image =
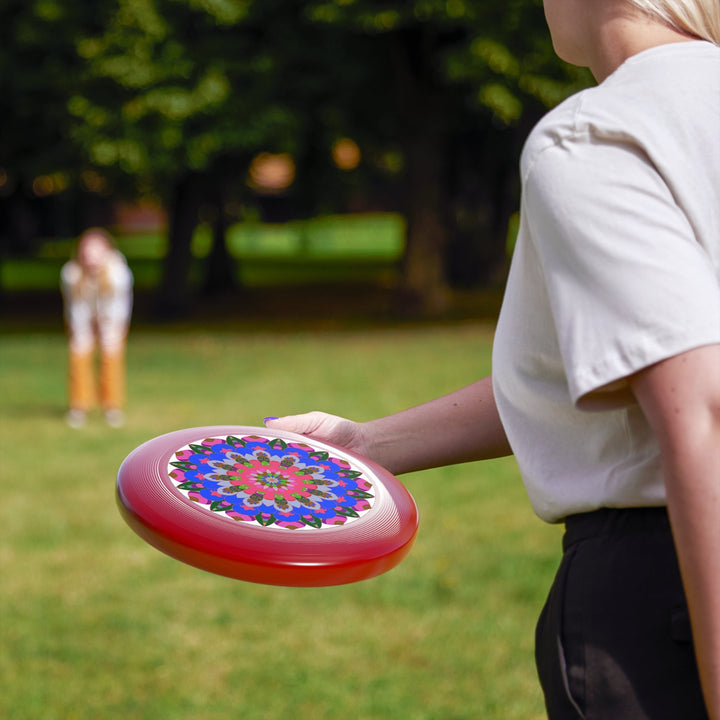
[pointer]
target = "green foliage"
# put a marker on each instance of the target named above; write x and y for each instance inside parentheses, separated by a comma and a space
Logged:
(173, 84)
(153, 87)
(38, 69)
(499, 53)
(174, 98)
(97, 624)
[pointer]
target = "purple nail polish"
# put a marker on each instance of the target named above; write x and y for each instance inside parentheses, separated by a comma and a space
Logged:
(270, 417)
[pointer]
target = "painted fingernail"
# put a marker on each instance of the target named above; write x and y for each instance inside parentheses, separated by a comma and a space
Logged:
(270, 417)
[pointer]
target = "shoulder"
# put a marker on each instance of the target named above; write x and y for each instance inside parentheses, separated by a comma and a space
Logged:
(117, 269)
(648, 105)
(594, 117)
(554, 129)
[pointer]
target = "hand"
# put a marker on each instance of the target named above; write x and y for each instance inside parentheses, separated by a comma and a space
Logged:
(324, 427)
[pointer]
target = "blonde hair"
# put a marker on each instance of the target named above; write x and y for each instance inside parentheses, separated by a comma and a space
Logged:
(699, 18)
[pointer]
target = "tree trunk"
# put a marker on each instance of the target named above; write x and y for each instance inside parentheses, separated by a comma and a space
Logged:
(424, 144)
(424, 276)
(175, 295)
(485, 194)
(220, 266)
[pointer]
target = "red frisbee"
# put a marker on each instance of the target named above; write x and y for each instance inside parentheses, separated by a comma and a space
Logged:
(266, 506)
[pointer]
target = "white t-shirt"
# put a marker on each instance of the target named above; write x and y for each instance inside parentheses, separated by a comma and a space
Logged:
(617, 266)
(97, 307)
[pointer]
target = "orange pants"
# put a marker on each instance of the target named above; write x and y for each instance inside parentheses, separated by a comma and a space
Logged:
(83, 391)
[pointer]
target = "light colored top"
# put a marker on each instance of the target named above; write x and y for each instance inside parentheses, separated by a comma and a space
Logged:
(616, 267)
(97, 308)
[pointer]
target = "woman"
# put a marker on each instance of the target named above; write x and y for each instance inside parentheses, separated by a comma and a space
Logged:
(97, 294)
(606, 365)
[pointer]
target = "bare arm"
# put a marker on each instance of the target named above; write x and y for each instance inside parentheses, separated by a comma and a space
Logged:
(681, 400)
(455, 428)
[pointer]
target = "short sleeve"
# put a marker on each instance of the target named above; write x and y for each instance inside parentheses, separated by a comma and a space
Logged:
(628, 282)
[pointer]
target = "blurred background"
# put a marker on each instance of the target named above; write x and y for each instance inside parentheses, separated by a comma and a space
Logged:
(317, 200)
(232, 145)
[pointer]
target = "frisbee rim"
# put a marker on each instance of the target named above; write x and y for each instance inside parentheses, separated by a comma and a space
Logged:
(357, 550)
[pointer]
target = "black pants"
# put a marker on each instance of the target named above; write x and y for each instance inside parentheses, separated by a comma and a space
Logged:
(613, 641)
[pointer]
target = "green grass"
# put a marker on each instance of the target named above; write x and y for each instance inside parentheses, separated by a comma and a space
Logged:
(94, 623)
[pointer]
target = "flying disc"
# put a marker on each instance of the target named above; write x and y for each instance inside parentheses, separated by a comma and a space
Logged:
(266, 506)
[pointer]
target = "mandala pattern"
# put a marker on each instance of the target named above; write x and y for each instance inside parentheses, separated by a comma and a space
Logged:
(271, 482)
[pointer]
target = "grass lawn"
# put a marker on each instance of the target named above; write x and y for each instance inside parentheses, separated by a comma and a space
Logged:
(95, 624)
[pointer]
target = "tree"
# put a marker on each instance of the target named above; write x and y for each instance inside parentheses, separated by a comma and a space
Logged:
(175, 98)
(38, 68)
(460, 72)
(182, 94)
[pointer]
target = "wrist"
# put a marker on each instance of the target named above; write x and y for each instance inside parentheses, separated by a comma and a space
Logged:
(374, 444)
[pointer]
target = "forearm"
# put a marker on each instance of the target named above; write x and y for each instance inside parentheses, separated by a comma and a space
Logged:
(693, 496)
(460, 427)
(681, 400)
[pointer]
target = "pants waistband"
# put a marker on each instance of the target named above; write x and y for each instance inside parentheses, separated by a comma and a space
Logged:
(608, 521)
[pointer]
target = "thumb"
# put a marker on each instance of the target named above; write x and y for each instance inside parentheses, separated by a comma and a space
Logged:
(318, 425)
(303, 424)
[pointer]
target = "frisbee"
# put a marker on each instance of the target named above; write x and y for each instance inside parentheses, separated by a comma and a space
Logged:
(266, 506)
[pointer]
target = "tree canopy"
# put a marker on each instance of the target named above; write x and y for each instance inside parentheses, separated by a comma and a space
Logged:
(175, 98)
